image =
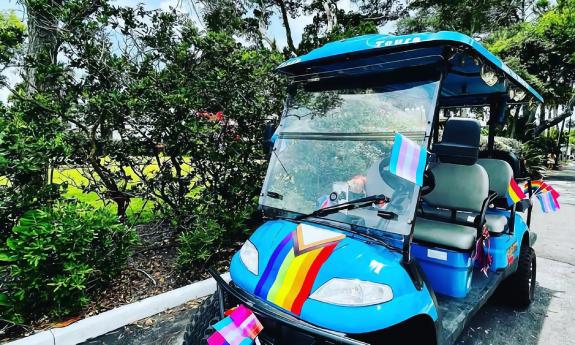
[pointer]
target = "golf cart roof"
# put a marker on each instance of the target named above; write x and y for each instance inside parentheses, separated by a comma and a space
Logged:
(464, 58)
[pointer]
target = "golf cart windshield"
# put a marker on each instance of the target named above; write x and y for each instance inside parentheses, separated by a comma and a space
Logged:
(334, 144)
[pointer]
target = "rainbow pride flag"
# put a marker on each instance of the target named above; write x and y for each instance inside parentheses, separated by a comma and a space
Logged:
(294, 265)
(548, 202)
(408, 159)
(539, 186)
(241, 327)
(514, 193)
(535, 184)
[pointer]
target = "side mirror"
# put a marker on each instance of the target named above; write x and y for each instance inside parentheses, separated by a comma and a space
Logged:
(268, 139)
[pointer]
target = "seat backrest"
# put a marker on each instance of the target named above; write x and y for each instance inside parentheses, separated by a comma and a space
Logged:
(459, 187)
(517, 165)
(460, 141)
(499, 172)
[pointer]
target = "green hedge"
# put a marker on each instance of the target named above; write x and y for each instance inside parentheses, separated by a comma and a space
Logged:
(57, 255)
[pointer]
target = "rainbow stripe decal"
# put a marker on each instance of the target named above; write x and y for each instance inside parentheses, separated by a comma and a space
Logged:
(294, 265)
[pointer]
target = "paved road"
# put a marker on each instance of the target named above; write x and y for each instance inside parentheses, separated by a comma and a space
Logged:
(550, 320)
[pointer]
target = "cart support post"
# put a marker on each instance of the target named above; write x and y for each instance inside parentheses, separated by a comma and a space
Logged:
(496, 116)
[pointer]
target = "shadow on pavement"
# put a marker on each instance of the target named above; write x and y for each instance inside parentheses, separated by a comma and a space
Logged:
(567, 173)
(499, 323)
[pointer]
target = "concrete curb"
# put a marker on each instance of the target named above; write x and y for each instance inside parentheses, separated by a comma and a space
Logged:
(113, 319)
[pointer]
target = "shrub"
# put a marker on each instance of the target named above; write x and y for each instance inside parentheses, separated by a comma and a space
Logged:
(57, 255)
(531, 152)
(212, 229)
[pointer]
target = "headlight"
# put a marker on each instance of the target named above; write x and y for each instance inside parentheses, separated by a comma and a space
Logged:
(249, 255)
(352, 292)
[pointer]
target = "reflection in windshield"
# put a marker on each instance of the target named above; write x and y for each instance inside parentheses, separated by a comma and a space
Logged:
(336, 147)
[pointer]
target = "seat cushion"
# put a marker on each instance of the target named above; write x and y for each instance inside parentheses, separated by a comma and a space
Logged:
(445, 234)
(458, 187)
(496, 223)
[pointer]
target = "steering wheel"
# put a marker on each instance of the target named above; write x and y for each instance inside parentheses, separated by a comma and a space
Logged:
(398, 183)
(428, 183)
(387, 176)
(401, 190)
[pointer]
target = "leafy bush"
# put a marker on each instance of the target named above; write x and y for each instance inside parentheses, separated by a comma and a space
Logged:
(200, 243)
(532, 152)
(26, 148)
(535, 154)
(57, 255)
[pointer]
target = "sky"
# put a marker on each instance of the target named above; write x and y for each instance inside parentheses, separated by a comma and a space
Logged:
(276, 30)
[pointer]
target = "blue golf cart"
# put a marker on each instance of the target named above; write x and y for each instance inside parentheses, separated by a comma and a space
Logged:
(353, 252)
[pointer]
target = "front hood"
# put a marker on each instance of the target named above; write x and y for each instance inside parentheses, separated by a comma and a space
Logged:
(297, 259)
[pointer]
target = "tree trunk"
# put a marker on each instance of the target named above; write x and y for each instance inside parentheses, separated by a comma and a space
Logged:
(43, 42)
(567, 112)
(556, 165)
(331, 18)
(569, 136)
(122, 203)
(287, 27)
(42, 50)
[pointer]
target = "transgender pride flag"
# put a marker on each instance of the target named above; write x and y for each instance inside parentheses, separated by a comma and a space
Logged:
(548, 202)
(240, 328)
(408, 159)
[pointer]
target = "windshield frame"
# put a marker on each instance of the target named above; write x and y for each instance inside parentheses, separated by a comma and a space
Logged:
(273, 212)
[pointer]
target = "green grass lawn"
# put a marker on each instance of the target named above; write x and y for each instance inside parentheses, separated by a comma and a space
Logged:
(139, 211)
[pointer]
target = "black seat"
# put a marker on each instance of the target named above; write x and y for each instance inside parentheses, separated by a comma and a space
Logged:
(460, 141)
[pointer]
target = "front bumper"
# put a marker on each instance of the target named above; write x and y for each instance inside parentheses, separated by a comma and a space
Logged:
(279, 327)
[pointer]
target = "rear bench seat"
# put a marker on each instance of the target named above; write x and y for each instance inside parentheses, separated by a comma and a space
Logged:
(463, 188)
(500, 173)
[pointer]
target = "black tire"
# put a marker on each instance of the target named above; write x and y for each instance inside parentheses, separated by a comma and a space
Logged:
(521, 287)
(201, 325)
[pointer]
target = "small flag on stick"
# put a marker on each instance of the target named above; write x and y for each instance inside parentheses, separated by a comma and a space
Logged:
(548, 202)
(408, 159)
(539, 186)
(241, 327)
(514, 193)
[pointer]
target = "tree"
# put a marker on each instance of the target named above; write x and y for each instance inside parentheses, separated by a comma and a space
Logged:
(329, 22)
(11, 36)
(26, 144)
(543, 52)
(470, 17)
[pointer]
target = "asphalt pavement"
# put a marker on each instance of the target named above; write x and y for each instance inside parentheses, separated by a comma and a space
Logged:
(549, 320)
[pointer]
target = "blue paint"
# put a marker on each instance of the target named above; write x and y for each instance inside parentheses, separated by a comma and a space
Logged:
(449, 272)
(406, 51)
(499, 245)
(369, 262)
